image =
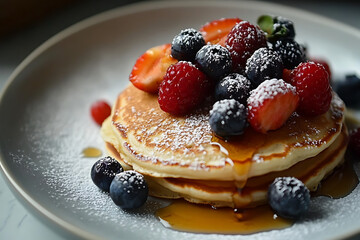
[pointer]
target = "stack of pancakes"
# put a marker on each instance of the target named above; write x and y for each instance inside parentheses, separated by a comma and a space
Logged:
(182, 158)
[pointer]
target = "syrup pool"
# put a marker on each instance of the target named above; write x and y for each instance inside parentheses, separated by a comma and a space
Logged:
(91, 152)
(340, 183)
(183, 216)
(188, 217)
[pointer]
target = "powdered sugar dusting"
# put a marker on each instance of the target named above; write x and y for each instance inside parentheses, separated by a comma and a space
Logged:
(58, 177)
(243, 40)
(43, 149)
(64, 178)
(188, 37)
(227, 106)
(173, 134)
(268, 90)
(288, 185)
(234, 86)
(264, 64)
(216, 55)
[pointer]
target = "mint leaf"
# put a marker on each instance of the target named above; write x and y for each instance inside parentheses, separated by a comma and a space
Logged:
(266, 23)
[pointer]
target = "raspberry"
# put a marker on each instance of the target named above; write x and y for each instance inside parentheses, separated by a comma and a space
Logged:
(325, 64)
(354, 143)
(100, 110)
(183, 88)
(313, 88)
(242, 41)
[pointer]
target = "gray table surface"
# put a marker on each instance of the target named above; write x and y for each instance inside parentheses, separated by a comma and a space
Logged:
(16, 222)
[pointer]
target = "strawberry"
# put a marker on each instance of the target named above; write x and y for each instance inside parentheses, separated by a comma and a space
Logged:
(150, 68)
(271, 104)
(287, 75)
(216, 32)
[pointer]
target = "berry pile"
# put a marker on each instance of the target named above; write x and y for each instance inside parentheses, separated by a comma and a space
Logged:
(256, 75)
(241, 66)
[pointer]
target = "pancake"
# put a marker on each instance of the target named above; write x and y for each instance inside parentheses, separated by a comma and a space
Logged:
(182, 158)
(225, 193)
(158, 144)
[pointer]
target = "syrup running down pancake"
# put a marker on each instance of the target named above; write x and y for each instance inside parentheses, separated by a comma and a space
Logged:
(182, 158)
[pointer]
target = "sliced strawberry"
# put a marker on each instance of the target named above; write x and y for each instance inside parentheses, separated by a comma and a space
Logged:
(215, 32)
(287, 75)
(150, 68)
(271, 104)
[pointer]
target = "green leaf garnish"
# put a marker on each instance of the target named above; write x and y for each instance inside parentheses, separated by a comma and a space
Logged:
(266, 23)
(278, 33)
(272, 27)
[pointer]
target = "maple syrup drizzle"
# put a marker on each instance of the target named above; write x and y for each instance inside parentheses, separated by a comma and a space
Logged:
(241, 150)
(91, 152)
(184, 216)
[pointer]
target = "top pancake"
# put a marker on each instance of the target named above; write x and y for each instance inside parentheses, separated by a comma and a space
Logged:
(158, 144)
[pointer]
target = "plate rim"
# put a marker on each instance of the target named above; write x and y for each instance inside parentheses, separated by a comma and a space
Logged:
(25, 198)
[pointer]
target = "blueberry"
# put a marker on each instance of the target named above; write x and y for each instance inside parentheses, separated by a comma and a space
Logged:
(214, 60)
(284, 27)
(228, 117)
(349, 90)
(129, 190)
(292, 53)
(186, 44)
(289, 197)
(234, 86)
(103, 172)
(263, 65)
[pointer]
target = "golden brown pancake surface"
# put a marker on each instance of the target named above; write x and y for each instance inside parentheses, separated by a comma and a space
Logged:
(161, 145)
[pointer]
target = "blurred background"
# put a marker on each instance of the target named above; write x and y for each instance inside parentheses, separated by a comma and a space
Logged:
(26, 24)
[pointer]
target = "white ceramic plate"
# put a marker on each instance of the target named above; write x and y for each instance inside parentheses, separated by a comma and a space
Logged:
(45, 121)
